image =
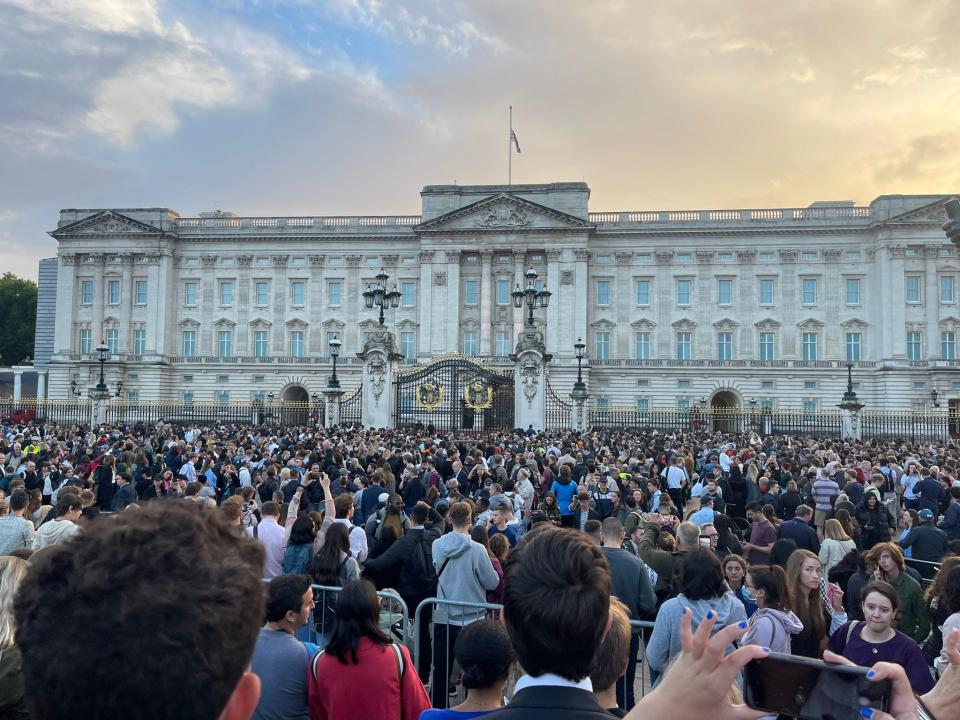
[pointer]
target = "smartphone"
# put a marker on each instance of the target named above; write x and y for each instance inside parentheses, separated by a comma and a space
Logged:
(808, 689)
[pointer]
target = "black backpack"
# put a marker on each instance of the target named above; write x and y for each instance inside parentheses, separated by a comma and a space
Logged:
(418, 576)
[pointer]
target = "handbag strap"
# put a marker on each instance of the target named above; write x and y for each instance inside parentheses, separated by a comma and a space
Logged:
(398, 654)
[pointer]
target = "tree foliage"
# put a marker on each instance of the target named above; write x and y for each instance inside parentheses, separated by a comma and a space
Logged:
(18, 318)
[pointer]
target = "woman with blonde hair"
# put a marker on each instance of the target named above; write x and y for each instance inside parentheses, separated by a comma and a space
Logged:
(12, 705)
(836, 544)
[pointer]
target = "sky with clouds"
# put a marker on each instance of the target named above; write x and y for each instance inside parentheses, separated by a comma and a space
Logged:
(313, 107)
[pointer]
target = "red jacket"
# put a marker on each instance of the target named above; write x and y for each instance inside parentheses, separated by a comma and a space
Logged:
(371, 689)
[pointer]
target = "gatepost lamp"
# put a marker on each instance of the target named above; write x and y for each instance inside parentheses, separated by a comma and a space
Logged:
(579, 347)
(103, 350)
(378, 295)
(934, 395)
(530, 295)
(335, 343)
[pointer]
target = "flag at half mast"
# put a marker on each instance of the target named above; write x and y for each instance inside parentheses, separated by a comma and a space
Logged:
(513, 139)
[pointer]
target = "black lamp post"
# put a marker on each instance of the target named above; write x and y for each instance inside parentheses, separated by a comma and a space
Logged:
(74, 390)
(850, 397)
(335, 353)
(579, 348)
(531, 296)
(703, 402)
(103, 350)
(934, 395)
(379, 296)
(753, 413)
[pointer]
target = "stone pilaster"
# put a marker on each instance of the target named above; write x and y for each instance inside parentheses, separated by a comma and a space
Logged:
(379, 357)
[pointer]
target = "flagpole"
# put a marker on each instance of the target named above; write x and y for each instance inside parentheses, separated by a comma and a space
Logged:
(510, 151)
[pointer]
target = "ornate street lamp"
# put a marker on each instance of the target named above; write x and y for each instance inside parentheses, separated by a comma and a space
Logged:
(335, 353)
(579, 347)
(378, 295)
(934, 394)
(530, 295)
(703, 402)
(74, 390)
(103, 350)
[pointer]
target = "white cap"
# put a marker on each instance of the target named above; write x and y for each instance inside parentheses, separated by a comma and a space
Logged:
(383, 497)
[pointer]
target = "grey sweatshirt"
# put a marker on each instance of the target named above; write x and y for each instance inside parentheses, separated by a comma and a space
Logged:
(467, 575)
(54, 532)
(772, 628)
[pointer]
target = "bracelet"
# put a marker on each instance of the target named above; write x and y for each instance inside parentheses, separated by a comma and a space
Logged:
(923, 712)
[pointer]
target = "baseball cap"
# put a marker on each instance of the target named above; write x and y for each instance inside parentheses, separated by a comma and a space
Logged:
(925, 514)
(383, 497)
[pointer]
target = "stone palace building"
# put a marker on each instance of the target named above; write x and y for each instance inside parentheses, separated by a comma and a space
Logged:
(677, 308)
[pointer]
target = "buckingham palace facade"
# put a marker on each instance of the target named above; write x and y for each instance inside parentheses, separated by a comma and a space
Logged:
(676, 307)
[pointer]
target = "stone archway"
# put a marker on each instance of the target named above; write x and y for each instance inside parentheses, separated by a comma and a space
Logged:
(294, 405)
(725, 407)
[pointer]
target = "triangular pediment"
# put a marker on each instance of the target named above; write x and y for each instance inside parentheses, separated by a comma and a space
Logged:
(932, 213)
(726, 324)
(767, 323)
(504, 212)
(106, 222)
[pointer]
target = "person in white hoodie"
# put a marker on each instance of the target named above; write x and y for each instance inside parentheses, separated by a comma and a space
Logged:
(772, 624)
(464, 574)
(63, 526)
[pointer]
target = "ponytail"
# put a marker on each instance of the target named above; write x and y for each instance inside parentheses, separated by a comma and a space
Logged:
(773, 581)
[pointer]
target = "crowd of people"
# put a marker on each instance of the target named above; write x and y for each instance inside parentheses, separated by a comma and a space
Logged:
(181, 566)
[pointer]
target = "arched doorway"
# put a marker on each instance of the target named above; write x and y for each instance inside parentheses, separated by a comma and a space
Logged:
(725, 411)
(294, 405)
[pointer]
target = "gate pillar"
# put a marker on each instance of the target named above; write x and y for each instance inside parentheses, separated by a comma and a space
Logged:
(530, 380)
(331, 408)
(379, 357)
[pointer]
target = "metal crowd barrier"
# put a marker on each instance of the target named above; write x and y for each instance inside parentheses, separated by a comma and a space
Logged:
(926, 569)
(445, 692)
(393, 616)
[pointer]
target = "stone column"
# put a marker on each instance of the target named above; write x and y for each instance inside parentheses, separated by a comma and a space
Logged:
(165, 333)
(125, 340)
(931, 305)
(279, 306)
(582, 296)
(622, 295)
(17, 383)
(352, 300)
(98, 260)
(578, 410)
(379, 357)
(425, 303)
(331, 398)
(41, 384)
(552, 283)
(486, 303)
(850, 422)
(66, 308)
(453, 301)
(530, 380)
(518, 281)
(896, 301)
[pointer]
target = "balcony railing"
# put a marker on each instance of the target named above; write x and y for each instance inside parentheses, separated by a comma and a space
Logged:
(256, 224)
(765, 216)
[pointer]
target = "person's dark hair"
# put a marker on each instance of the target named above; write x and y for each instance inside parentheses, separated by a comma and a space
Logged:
(460, 514)
(358, 616)
(419, 514)
(303, 531)
(773, 581)
(478, 533)
(326, 563)
(485, 655)
(882, 588)
(951, 589)
(65, 503)
(285, 594)
(781, 551)
(701, 575)
(560, 636)
(270, 508)
(19, 499)
(342, 504)
(140, 565)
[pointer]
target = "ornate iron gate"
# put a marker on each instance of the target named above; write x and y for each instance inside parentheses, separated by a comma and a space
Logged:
(351, 408)
(558, 410)
(455, 393)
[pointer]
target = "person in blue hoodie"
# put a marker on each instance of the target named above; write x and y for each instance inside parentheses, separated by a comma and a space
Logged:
(703, 590)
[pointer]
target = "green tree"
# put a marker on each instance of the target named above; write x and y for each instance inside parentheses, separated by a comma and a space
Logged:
(18, 318)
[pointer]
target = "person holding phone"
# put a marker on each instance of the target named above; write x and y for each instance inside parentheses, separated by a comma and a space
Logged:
(874, 639)
(818, 604)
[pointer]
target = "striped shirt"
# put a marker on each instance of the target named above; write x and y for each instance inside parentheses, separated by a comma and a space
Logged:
(824, 491)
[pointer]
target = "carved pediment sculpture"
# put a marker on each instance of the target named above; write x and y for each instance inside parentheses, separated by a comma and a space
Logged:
(502, 215)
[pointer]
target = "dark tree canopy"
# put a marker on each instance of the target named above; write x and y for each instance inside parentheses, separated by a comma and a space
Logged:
(18, 318)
